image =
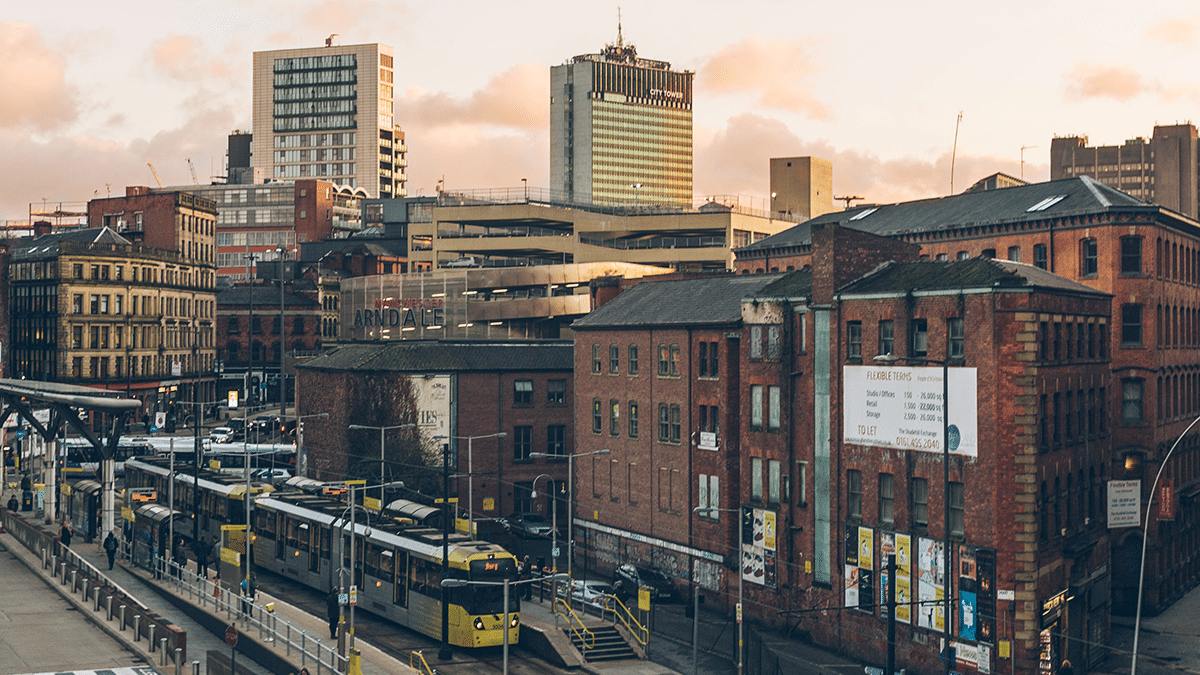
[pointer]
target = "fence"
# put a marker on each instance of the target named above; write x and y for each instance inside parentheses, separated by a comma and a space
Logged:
(99, 592)
(256, 618)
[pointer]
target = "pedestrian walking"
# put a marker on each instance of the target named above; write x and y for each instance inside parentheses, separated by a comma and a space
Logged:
(155, 555)
(333, 612)
(64, 535)
(201, 550)
(13, 504)
(1066, 668)
(110, 549)
(249, 591)
(179, 557)
(526, 572)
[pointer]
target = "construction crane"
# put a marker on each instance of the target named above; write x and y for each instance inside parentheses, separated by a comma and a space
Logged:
(154, 173)
(848, 199)
(192, 170)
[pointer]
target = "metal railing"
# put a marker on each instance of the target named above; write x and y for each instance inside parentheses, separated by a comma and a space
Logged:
(270, 628)
(669, 242)
(587, 639)
(611, 604)
(416, 660)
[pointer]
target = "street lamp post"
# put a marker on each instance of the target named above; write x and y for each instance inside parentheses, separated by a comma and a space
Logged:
(342, 565)
(571, 499)
(382, 462)
(1137, 621)
(470, 476)
(741, 666)
(553, 515)
(945, 364)
(506, 584)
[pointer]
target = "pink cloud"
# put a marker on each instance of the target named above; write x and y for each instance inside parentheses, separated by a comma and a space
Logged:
(1115, 82)
(184, 57)
(1178, 31)
(771, 70)
(515, 98)
(33, 79)
(735, 160)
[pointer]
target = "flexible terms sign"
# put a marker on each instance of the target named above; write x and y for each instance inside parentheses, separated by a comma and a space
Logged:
(900, 407)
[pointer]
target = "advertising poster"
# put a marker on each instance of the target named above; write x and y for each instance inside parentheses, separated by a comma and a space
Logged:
(768, 540)
(985, 595)
(904, 578)
(851, 585)
(758, 561)
(866, 589)
(851, 542)
(900, 407)
(866, 548)
(1124, 503)
(883, 594)
(966, 615)
(930, 580)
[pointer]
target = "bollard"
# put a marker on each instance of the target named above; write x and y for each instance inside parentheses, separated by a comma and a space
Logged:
(74, 585)
(62, 572)
(137, 627)
(195, 668)
(53, 562)
(274, 632)
(178, 661)
(87, 589)
(288, 642)
(162, 651)
(150, 637)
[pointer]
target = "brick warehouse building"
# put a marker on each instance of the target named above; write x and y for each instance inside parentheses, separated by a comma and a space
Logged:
(657, 385)
(1148, 258)
(450, 389)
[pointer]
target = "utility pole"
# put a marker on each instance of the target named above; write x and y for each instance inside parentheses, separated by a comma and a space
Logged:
(444, 652)
(954, 152)
(891, 618)
(196, 417)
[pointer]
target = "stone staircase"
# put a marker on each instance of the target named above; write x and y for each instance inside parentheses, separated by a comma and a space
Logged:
(609, 645)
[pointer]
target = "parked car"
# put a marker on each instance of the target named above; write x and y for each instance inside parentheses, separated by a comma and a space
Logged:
(221, 435)
(589, 591)
(527, 525)
(629, 578)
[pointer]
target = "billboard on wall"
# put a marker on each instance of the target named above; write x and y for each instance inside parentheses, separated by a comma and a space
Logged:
(900, 407)
(432, 394)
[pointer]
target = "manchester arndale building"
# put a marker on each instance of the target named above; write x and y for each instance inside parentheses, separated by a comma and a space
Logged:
(621, 129)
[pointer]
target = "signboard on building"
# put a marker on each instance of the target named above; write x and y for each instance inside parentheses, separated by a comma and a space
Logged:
(1124, 503)
(432, 395)
(1166, 500)
(708, 440)
(899, 407)
(758, 560)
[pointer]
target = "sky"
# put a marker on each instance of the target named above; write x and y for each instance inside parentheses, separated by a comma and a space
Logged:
(89, 95)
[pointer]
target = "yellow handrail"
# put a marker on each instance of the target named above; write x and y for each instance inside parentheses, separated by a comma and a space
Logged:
(635, 627)
(587, 639)
(416, 659)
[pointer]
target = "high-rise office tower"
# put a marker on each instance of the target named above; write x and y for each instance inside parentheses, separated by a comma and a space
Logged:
(327, 112)
(621, 129)
(1162, 170)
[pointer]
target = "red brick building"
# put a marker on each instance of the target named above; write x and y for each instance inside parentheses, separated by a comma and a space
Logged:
(833, 504)
(657, 384)
(297, 328)
(452, 390)
(172, 221)
(1148, 259)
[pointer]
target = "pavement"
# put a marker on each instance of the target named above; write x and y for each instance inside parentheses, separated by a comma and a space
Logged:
(41, 632)
(1169, 643)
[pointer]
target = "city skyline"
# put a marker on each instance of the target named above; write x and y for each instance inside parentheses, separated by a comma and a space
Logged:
(473, 99)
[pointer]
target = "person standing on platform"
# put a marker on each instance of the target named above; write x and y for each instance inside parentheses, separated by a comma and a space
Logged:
(333, 611)
(110, 549)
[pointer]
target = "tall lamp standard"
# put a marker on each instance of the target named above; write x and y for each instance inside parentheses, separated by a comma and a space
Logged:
(741, 668)
(303, 460)
(553, 515)
(1137, 621)
(470, 476)
(571, 498)
(382, 462)
(945, 364)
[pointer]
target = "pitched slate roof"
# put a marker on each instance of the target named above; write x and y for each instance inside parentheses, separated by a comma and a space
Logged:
(264, 296)
(1080, 195)
(439, 356)
(710, 300)
(973, 273)
(49, 245)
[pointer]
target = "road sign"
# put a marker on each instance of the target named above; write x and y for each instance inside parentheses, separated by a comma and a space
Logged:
(353, 595)
(554, 552)
(160, 420)
(644, 598)
(343, 598)
(739, 612)
(231, 635)
(21, 434)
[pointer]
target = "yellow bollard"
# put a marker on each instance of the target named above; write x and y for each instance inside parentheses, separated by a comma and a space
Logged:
(355, 663)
